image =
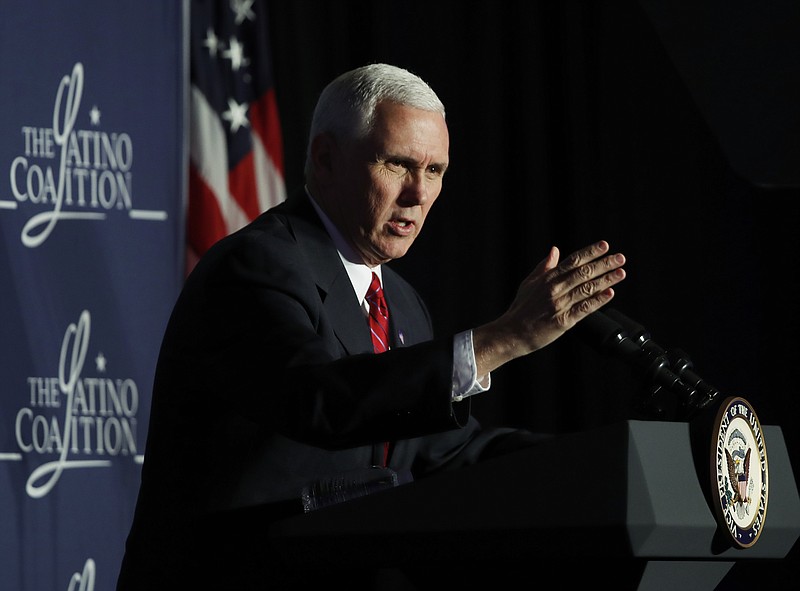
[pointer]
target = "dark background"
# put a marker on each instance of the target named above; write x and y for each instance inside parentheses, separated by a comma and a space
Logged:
(670, 129)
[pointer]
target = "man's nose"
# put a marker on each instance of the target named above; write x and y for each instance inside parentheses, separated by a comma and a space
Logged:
(416, 190)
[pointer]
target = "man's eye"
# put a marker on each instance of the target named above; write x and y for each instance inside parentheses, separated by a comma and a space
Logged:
(435, 170)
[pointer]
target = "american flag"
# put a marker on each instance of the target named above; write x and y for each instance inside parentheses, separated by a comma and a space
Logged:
(236, 150)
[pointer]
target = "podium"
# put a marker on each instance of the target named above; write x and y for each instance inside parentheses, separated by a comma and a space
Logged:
(628, 500)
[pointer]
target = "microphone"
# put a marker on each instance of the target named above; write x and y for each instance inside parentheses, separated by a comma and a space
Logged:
(616, 334)
(700, 393)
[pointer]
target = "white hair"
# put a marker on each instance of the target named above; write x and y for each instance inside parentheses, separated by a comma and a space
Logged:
(346, 107)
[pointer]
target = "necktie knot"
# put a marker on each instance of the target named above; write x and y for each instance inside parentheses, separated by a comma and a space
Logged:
(378, 316)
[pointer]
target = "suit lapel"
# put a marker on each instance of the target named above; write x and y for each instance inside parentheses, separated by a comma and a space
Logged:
(407, 325)
(346, 315)
(333, 284)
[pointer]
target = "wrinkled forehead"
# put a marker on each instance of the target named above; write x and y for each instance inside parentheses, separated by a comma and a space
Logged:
(409, 131)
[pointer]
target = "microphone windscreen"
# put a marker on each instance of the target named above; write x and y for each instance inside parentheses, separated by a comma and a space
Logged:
(628, 325)
(599, 330)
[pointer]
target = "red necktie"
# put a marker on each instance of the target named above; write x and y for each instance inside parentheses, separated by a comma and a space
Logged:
(379, 327)
(378, 316)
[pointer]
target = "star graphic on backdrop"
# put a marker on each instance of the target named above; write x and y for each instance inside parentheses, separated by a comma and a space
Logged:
(236, 115)
(235, 53)
(100, 362)
(243, 10)
(211, 42)
(94, 115)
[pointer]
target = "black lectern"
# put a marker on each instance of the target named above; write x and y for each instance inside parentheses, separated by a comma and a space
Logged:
(625, 496)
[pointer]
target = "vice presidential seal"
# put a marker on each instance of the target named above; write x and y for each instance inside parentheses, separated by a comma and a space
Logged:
(739, 472)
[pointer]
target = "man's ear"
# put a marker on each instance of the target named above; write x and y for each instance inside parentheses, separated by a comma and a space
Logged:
(323, 153)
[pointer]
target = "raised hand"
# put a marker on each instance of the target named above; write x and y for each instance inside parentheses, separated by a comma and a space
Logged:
(550, 301)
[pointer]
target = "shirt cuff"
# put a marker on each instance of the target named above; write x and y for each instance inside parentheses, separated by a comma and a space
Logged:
(466, 381)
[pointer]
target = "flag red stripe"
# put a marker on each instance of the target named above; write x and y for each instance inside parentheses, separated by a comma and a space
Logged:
(242, 185)
(205, 224)
(266, 123)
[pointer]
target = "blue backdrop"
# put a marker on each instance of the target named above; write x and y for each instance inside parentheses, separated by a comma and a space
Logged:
(92, 196)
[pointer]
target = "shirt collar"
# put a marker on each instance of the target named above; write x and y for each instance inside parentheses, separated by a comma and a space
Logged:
(360, 273)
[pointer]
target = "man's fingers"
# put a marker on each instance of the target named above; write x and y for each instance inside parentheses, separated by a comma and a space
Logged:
(574, 280)
(584, 255)
(549, 262)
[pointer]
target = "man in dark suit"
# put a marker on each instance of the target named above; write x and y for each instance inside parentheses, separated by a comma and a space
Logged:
(268, 380)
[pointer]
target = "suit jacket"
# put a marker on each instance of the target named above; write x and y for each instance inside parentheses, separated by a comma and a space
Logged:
(266, 380)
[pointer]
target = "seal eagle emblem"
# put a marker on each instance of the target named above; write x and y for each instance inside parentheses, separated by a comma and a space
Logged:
(739, 472)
